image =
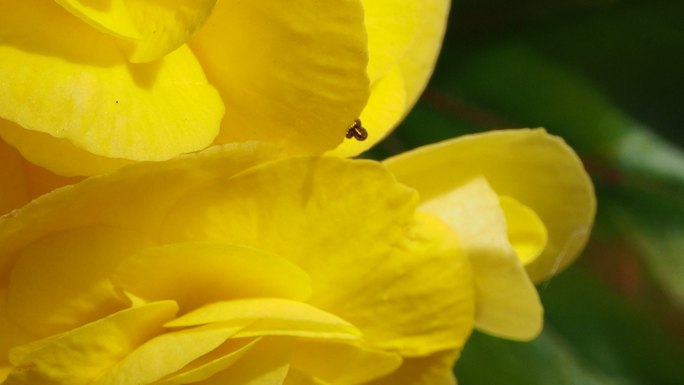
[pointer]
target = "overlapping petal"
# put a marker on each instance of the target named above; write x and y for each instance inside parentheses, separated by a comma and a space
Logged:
(88, 93)
(507, 301)
(538, 170)
(22, 180)
(211, 272)
(293, 75)
(399, 70)
(76, 357)
(149, 28)
(388, 254)
(62, 281)
(408, 288)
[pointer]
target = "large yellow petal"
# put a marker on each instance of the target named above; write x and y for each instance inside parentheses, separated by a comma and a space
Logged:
(537, 169)
(69, 81)
(316, 212)
(395, 92)
(76, 357)
(122, 199)
(414, 300)
(349, 225)
(210, 272)
(62, 281)
(152, 28)
(293, 75)
(507, 302)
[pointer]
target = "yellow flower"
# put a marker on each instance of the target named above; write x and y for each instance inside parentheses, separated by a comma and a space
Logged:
(234, 266)
(239, 265)
(523, 205)
(86, 86)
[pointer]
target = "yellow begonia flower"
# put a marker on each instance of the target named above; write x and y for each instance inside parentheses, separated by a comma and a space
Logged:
(100, 84)
(523, 205)
(233, 266)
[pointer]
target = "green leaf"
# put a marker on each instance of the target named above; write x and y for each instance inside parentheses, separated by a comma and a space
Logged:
(546, 360)
(592, 337)
(653, 224)
(530, 90)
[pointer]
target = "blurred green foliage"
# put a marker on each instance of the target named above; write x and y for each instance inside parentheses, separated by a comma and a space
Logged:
(608, 77)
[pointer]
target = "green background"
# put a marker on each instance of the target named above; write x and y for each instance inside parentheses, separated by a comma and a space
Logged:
(608, 77)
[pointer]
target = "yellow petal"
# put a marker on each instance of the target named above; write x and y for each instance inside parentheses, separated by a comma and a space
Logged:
(317, 212)
(415, 299)
(292, 75)
(507, 302)
(122, 199)
(210, 272)
(88, 93)
(395, 92)
(347, 224)
(152, 28)
(343, 364)
(525, 230)
(62, 281)
(164, 355)
(270, 316)
(435, 369)
(78, 356)
(535, 168)
(267, 363)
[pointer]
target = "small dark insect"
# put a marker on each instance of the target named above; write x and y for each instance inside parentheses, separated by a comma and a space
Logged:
(357, 131)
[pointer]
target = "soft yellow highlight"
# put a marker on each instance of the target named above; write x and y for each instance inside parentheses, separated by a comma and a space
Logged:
(507, 301)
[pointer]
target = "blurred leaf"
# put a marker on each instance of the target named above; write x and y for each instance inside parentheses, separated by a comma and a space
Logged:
(633, 51)
(609, 332)
(592, 337)
(654, 224)
(546, 360)
(530, 90)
